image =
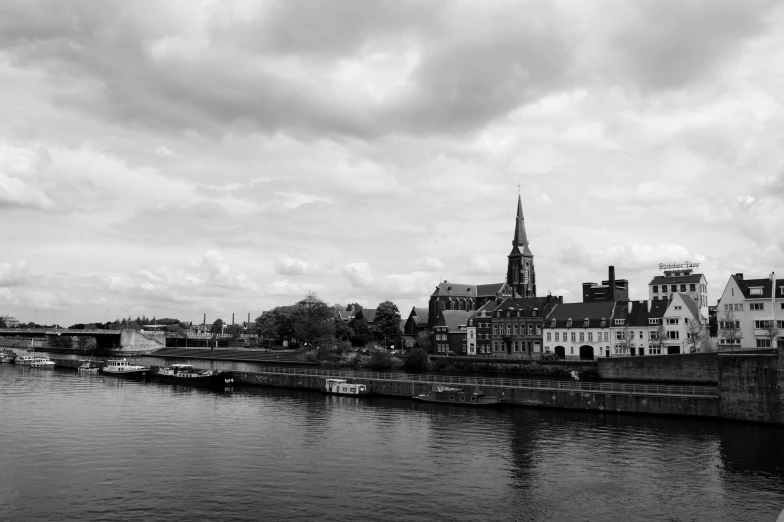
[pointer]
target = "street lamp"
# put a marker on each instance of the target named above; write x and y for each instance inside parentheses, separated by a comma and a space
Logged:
(54, 319)
(104, 319)
(35, 319)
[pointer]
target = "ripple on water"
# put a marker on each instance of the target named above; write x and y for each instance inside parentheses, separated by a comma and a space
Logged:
(91, 447)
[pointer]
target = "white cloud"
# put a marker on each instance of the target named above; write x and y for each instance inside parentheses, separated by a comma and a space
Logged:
(285, 288)
(433, 264)
(163, 151)
(358, 274)
(14, 274)
(292, 266)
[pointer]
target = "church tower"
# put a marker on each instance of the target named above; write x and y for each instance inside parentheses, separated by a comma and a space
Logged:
(520, 274)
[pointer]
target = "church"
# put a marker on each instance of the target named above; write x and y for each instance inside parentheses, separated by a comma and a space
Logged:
(520, 279)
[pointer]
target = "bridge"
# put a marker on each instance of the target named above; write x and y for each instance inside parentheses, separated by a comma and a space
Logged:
(134, 340)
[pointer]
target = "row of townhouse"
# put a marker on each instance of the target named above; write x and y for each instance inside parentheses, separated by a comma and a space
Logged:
(526, 328)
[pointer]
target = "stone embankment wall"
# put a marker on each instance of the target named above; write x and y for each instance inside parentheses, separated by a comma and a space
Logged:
(751, 387)
(578, 400)
(700, 368)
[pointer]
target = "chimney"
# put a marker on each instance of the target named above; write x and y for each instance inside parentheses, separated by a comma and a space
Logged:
(739, 276)
(612, 284)
(587, 292)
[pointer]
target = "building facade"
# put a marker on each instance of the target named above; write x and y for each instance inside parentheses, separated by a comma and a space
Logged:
(683, 281)
(10, 321)
(579, 330)
(609, 290)
(753, 304)
(450, 335)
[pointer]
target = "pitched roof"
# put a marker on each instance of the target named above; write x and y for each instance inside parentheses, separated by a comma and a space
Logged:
(455, 289)
(658, 307)
(666, 280)
(578, 312)
(522, 303)
(639, 314)
(454, 318)
(491, 289)
(369, 315)
(346, 314)
(690, 304)
(747, 284)
(420, 315)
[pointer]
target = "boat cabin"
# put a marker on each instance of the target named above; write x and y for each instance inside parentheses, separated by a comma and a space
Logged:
(343, 387)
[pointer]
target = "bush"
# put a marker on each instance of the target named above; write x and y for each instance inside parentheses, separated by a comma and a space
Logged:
(380, 360)
(416, 361)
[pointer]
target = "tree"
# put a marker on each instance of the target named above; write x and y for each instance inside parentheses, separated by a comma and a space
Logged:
(380, 359)
(416, 361)
(2, 322)
(343, 331)
(772, 333)
(695, 333)
(424, 340)
(234, 330)
(217, 326)
(361, 334)
(658, 336)
(626, 340)
(729, 329)
(312, 318)
(387, 321)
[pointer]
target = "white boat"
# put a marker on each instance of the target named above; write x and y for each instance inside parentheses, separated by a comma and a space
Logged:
(87, 367)
(42, 362)
(24, 360)
(123, 367)
(343, 387)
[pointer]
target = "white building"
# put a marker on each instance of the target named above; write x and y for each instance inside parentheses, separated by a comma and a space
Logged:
(753, 302)
(579, 329)
(683, 281)
(10, 321)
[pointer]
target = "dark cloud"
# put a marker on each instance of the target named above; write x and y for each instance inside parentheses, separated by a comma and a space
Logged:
(667, 44)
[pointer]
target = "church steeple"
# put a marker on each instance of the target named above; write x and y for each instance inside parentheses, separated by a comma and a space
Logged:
(520, 274)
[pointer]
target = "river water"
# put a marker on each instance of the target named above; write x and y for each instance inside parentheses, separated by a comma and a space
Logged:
(92, 447)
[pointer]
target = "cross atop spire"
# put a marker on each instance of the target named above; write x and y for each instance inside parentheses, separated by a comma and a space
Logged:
(520, 240)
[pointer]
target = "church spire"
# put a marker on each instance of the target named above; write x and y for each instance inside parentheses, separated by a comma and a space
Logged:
(520, 240)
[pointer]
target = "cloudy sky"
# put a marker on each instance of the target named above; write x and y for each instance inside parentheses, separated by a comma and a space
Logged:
(174, 158)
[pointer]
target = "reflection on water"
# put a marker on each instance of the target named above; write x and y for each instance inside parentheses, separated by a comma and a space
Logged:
(94, 447)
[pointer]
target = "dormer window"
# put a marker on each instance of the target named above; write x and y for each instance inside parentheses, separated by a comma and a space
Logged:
(585, 323)
(552, 323)
(533, 312)
(603, 323)
(569, 323)
(619, 322)
(757, 290)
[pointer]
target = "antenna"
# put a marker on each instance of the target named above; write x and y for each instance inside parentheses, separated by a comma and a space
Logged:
(518, 188)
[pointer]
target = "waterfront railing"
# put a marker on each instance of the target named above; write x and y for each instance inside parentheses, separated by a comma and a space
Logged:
(595, 387)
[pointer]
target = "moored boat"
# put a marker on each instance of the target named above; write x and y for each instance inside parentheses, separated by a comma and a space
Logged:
(24, 360)
(343, 387)
(458, 395)
(88, 367)
(182, 373)
(7, 356)
(124, 368)
(42, 362)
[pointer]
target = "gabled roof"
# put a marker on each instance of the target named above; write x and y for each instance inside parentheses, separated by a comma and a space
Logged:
(490, 305)
(522, 303)
(455, 289)
(454, 318)
(639, 314)
(369, 315)
(420, 316)
(666, 280)
(747, 284)
(690, 304)
(346, 314)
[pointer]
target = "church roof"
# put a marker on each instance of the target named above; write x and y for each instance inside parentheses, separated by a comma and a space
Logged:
(420, 316)
(520, 240)
(455, 289)
(489, 290)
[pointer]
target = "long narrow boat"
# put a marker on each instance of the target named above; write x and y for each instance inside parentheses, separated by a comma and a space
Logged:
(343, 387)
(181, 373)
(123, 368)
(458, 395)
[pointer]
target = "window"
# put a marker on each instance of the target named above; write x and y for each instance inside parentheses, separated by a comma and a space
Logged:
(618, 336)
(557, 335)
(692, 287)
(515, 329)
(569, 323)
(739, 306)
(761, 324)
(530, 329)
(677, 307)
(603, 322)
(619, 322)
(590, 337)
(672, 321)
(538, 329)
(548, 336)
(756, 306)
(514, 346)
(573, 337)
(582, 336)
(673, 288)
(673, 335)
(495, 329)
(654, 320)
(755, 291)
(607, 337)
(726, 307)
(763, 343)
(508, 330)
(552, 323)
(683, 287)
(640, 334)
(585, 323)
(655, 289)
(571, 350)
